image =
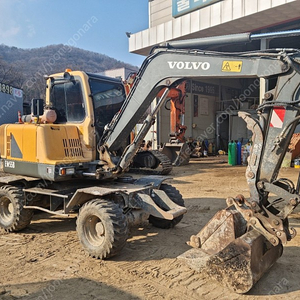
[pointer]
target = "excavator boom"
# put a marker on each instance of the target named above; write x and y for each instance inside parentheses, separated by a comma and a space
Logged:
(175, 66)
(166, 68)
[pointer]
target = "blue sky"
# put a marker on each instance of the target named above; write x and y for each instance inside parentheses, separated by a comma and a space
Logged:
(95, 25)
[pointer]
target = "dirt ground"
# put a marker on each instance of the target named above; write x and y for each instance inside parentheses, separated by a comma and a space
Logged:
(45, 261)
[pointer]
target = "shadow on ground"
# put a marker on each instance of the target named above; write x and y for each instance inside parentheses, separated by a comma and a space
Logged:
(66, 289)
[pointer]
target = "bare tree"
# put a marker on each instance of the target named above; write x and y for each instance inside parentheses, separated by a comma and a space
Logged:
(11, 74)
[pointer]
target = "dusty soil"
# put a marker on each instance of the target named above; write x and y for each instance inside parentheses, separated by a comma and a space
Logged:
(46, 261)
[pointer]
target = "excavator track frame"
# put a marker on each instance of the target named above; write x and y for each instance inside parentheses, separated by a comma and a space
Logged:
(162, 166)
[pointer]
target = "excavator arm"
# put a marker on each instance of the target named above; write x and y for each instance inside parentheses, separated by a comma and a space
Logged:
(244, 240)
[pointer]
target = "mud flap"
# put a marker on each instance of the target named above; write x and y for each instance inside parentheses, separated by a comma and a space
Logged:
(178, 153)
(224, 250)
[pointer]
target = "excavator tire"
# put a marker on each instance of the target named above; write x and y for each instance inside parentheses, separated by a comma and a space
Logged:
(102, 228)
(13, 217)
(151, 162)
(176, 197)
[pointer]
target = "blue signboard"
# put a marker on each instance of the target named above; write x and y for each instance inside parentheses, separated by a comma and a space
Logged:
(181, 7)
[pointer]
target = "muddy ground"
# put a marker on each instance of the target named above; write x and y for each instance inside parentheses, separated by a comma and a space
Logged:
(46, 261)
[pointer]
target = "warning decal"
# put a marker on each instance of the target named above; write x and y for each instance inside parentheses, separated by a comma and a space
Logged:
(277, 117)
(232, 66)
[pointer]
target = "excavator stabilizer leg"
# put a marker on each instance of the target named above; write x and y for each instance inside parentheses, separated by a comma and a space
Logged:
(229, 253)
(178, 153)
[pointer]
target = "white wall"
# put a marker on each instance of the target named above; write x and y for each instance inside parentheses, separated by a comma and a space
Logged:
(221, 18)
(160, 11)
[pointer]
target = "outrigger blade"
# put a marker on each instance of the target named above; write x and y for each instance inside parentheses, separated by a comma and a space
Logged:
(227, 252)
(178, 153)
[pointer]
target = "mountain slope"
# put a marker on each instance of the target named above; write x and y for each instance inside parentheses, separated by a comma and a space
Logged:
(24, 68)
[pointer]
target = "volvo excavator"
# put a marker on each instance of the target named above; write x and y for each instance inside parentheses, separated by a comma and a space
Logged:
(70, 160)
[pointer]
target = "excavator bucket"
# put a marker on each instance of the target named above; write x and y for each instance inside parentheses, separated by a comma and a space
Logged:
(178, 153)
(229, 253)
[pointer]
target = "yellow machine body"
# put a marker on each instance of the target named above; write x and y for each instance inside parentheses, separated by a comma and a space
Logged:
(41, 150)
(65, 146)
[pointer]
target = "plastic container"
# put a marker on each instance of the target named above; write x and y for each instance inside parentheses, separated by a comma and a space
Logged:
(297, 163)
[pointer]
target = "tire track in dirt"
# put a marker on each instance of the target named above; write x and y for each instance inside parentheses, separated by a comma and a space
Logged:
(147, 267)
(150, 279)
(171, 279)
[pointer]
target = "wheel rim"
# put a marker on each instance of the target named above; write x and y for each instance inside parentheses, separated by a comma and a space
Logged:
(94, 231)
(6, 209)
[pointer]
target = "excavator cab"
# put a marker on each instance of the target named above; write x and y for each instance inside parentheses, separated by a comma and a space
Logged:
(86, 100)
(68, 98)
(76, 96)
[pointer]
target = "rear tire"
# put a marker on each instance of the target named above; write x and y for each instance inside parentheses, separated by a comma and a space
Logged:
(176, 197)
(13, 217)
(102, 228)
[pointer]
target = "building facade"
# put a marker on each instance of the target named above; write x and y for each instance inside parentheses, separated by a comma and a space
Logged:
(212, 104)
(11, 102)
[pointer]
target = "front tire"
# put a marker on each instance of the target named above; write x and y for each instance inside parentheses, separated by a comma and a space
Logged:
(13, 217)
(102, 228)
(176, 197)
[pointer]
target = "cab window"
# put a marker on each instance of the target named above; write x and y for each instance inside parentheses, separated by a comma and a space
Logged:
(67, 101)
(108, 98)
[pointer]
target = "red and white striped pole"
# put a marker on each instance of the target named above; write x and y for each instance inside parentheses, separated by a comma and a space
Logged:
(19, 117)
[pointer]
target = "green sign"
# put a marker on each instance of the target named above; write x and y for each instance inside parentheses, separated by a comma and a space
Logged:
(181, 7)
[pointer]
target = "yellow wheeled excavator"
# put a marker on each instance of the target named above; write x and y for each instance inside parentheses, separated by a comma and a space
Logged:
(58, 161)
(73, 158)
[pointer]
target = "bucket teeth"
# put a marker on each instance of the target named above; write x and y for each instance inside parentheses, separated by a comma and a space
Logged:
(194, 241)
